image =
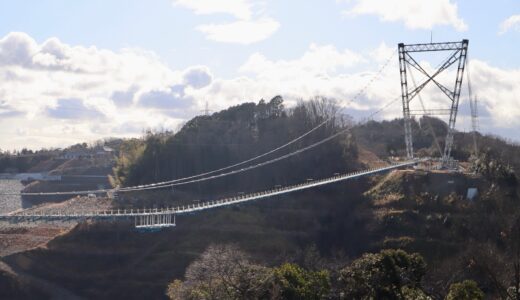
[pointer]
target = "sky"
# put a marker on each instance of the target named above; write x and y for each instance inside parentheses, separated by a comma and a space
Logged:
(78, 71)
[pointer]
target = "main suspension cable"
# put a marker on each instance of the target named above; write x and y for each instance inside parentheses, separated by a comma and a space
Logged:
(361, 92)
(301, 150)
(343, 131)
(191, 179)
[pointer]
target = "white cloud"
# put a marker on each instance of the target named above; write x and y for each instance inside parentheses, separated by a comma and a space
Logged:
(197, 77)
(383, 53)
(17, 49)
(47, 87)
(241, 9)
(341, 74)
(73, 109)
(241, 31)
(251, 24)
(416, 14)
(85, 93)
(497, 90)
(316, 61)
(321, 70)
(511, 23)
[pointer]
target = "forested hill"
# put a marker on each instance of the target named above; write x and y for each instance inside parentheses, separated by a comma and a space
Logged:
(426, 214)
(244, 131)
(236, 134)
(386, 138)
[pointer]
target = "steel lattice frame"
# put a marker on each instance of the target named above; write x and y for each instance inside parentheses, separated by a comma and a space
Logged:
(458, 54)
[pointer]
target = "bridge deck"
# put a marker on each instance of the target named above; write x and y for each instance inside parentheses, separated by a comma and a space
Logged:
(129, 213)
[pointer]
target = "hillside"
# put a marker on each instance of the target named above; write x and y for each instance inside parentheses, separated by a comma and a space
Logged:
(419, 211)
(386, 138)
(399, 210)
(233, 135)
(76, 174)
(111, 256)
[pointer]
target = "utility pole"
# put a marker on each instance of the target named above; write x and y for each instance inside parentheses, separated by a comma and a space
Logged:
(474, 123)
(473, 103)
(206, 109)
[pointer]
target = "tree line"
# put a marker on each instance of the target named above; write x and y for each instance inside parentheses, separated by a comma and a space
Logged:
(226, 272)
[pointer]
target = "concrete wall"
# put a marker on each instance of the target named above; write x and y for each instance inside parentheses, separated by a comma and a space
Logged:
(28, 176)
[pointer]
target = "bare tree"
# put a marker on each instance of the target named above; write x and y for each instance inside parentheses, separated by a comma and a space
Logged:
(222, 272)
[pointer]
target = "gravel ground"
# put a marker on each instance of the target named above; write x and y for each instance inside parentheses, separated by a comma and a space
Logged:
(21, 237)
(27, 235)
(74, 205)
(10, 203)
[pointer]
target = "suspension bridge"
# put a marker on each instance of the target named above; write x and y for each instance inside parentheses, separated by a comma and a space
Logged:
(157, 218)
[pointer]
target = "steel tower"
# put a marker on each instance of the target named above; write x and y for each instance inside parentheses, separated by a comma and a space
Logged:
(457, 54)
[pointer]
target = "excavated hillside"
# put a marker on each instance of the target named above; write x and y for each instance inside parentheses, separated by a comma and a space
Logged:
(113, 260)
(415, 210)
(425, 212)
(421, 211)
(13, 287)
(76, 174)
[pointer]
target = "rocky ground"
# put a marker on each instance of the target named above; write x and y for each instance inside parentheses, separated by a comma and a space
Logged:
(18, 237)
(21, 237)
(76, 204)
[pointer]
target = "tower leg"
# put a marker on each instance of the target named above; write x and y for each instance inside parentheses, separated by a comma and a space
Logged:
(406, 103)
(455, 104)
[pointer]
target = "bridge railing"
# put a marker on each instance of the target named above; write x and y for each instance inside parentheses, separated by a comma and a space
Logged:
(201, 205)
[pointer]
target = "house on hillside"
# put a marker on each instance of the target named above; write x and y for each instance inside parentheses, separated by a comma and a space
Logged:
(76, 154)
(104, 151)
(98, 155)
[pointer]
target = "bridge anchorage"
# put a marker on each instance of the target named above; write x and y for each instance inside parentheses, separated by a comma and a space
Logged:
(458, 54)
